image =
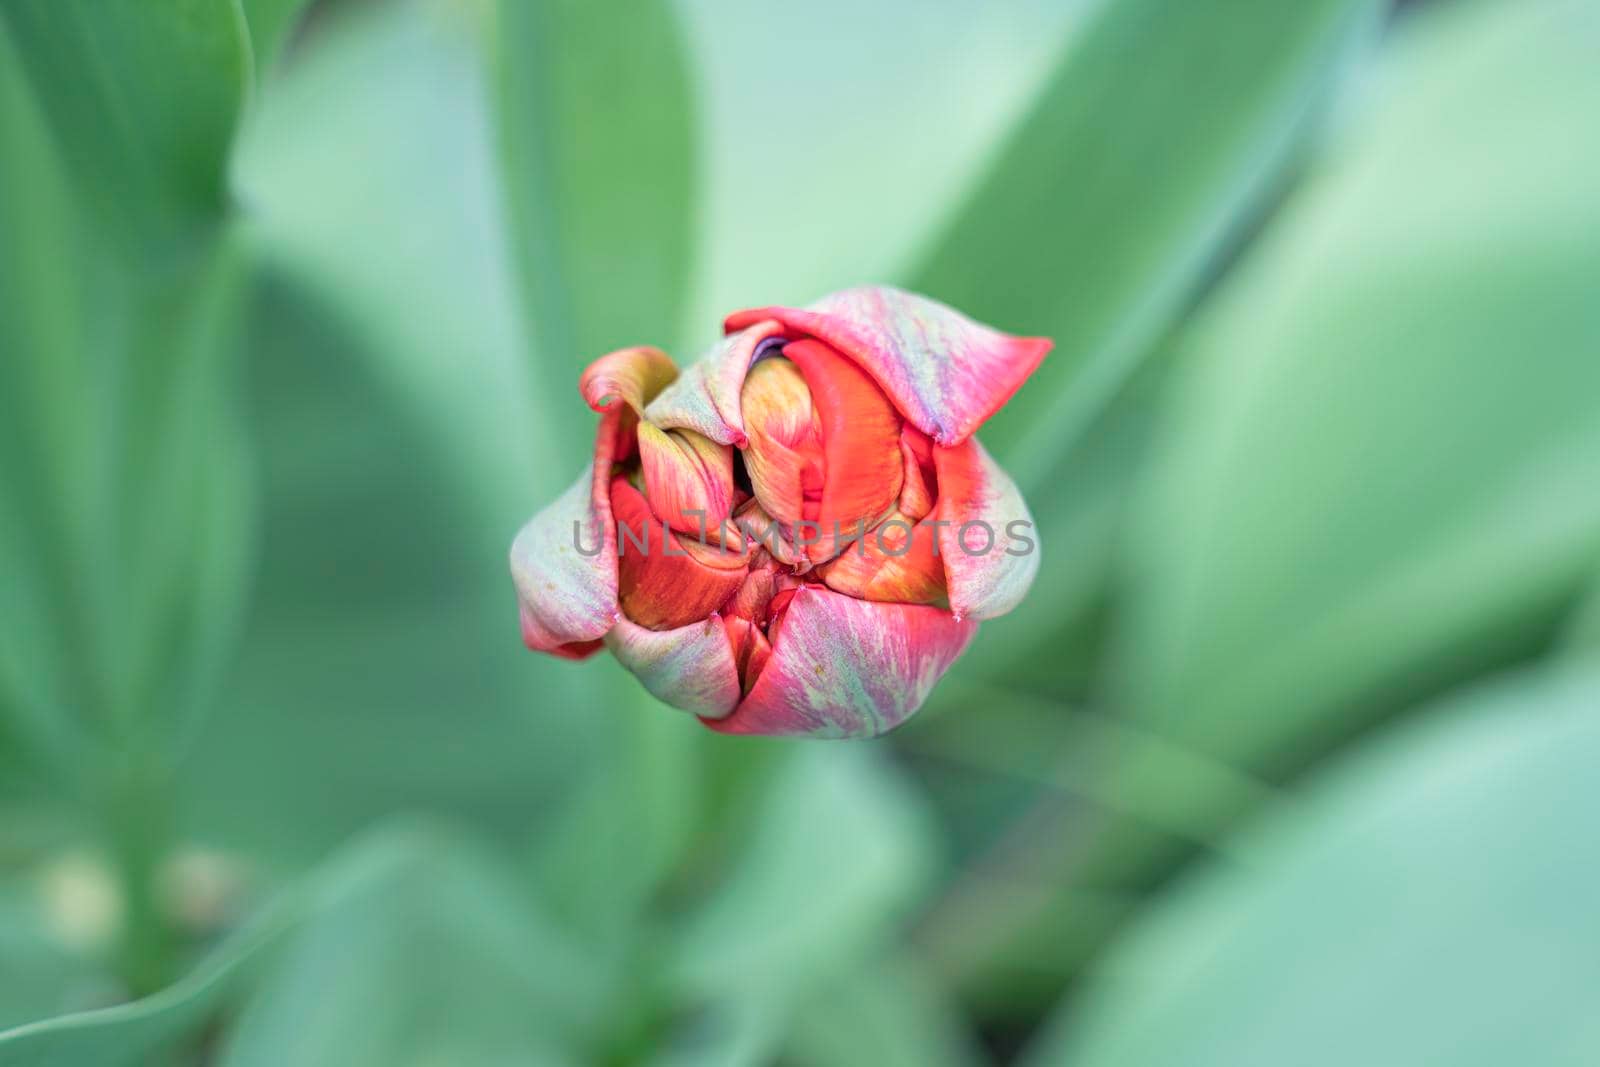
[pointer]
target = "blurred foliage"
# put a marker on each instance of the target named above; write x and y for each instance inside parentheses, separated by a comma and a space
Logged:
(292, 299)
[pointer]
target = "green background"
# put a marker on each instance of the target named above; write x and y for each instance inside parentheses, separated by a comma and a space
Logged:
(1290, 757)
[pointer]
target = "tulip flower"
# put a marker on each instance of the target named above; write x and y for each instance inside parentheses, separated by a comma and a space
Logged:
(798, 535)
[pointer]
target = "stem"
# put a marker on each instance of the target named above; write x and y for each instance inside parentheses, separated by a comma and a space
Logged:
(139, 831)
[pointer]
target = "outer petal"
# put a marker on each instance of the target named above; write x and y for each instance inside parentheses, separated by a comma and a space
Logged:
(974, 490)
(690, 667)
(843, 667)
(706, 398)
(946, 373)
(566, 596)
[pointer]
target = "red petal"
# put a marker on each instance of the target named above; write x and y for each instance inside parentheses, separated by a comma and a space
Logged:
(898, 561)
(920, 490)
(665, 582)
(578, 650)
(754, 599)
(750, 650)
(861, 443)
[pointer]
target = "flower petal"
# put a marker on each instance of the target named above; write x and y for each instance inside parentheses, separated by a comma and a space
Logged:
(750, 650)
(843, 667)
(763, 531)
(564, 559)
(687, 472)
(984, 511)
(946, 373)
(665, 582)
(897, 561)
(861, 445)
(916, 456)
(633, 375)
(690, 667)
(783, 453)
(706, 398)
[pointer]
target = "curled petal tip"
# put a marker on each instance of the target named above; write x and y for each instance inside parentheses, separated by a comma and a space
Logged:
(632, 375)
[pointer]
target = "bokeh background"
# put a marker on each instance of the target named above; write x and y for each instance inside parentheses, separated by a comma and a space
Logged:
(1291, 757)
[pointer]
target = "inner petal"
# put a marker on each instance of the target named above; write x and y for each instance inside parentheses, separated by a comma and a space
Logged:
(664, 582)
(896, 562)
(688, 479)
(863, 466)
(784, 456)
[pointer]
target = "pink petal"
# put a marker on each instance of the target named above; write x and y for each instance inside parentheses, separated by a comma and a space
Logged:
(690, 667)
(989, 562)
(946, 373)
(843, 667)
(706, 398)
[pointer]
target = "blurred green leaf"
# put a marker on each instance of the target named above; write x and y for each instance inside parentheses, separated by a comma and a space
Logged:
(271, 23)
(828, 153)
(1049, 873)
(616, 837)
(125, 504)
(830, 809)
(383, 117)
(839, 852)
(404, 439)
(403, 445)
(1052, 644)
(1431, 900)
(1583, 631)
(1378, 475)
(40, 976)
(1101, 217)
(419, 951)
(885, 1015)
(597, 141)
(382, 669)
(141, 97)
(150, 1029)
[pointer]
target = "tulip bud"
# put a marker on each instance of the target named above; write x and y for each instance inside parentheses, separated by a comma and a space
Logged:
(781, 540)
